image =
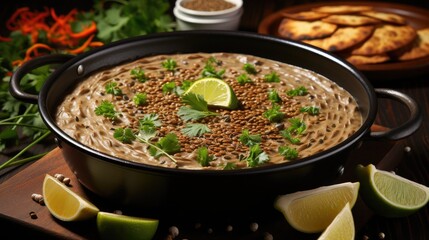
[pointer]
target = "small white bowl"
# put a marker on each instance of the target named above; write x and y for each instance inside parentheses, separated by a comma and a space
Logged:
(228, 19)
(230, 11)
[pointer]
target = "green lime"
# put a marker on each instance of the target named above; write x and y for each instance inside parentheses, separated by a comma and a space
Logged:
(390, 195)
(215, 92)
(312, 211)
(116, 226)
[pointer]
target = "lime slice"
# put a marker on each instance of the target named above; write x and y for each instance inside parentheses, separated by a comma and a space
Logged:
(390, 195)
(115, 226)
(312, 211)
(342, 227)
(215, 92)
(65, 204)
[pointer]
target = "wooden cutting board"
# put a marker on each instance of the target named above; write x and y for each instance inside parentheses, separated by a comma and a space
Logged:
(17, 204)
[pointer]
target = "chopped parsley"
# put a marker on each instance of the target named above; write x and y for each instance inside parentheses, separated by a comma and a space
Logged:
(288, 152)
(243, 79)
(274, 114)
(112, 88)
(249, 68)
(168, 87)
(249, 139)
(203, 156)
(272, 77)
(106, 109)
(310, 110)
(210, 70)
(139, 74)
(169, 64)
(256, 156)
(300, 91)
(140, 99)
(273, 96)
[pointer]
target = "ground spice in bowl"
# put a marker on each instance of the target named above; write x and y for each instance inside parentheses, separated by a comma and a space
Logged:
(209, 6)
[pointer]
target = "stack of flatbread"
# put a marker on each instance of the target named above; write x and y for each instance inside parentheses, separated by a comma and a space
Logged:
(359, 33)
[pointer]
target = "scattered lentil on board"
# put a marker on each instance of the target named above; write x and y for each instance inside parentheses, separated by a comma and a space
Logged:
(209, 6)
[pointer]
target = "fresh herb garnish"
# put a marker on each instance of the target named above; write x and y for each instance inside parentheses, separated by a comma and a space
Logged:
(274, 114)
(195, 129)
(112, 88)
(249, 139)
(243, 79)
(140, 99)
(210, 70)
(249, 68)
(273, 96)
(230, 166)
(169, 64)
(124, 135)
(300, 91)
(197, 108)
(203, 156)
(139, 74)
(297, 127)
(169, 144)
(106, 109)
(310, 110)
(168, 87)
(288, 135)
(148, 126)
(256, 156)
(272, 77)
(288, 152)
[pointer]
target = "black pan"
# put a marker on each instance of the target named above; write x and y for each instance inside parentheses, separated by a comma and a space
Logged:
(163, 190)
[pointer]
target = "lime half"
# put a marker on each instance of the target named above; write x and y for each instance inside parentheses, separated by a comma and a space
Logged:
(65, 204)
(116, 226)
(312, 211)
(390, 195)
(215, 92)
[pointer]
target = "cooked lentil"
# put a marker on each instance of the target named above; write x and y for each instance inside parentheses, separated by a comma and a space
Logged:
(338, 119)
(208, 6)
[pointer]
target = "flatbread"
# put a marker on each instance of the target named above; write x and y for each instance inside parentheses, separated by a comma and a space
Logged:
(386, 17)
(301, 30)
(420, 47)
(341, 9)
(306, 15)
(350, 20)
(343, 38)
(362, 60)
(386, 38)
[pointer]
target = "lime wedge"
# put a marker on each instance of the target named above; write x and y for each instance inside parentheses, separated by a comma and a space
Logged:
(116, 226)
(342, 227)
(215, 92)
(312, 211)
(65, 204)
(390, 195)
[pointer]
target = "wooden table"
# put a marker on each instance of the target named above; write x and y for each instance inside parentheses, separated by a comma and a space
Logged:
(413, 165)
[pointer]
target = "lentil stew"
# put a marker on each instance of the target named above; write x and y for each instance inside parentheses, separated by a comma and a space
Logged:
(326, 114)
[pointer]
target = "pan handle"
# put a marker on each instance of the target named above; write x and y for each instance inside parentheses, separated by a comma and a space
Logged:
(14, 85)
(407, 128)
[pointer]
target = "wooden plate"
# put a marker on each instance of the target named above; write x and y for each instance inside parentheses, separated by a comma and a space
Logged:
(416, 17)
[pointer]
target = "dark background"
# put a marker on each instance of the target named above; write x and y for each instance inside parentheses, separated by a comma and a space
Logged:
(63, 6)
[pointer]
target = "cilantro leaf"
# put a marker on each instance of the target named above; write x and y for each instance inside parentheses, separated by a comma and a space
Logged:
(256, 156)
(139, 74)
(310, 110)
(288, 152)
(249, 140)
(272, 77)
(197, 109)
(300, 91)
(203, 156)
(169, 144)
(106, 109)
(195, 129)
(274, 114)
(169, 64)
(112, 88)
(140, 99)
(249, 68)
(124, 135)
(273, 96)
(243, 79)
